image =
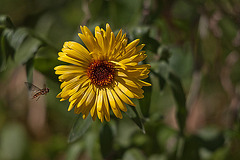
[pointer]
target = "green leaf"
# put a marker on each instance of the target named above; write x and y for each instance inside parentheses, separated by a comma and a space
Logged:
(161, 82)
(80, 127)
(124, 12)
(178, 93)
(164, 54)
(212, 138)
(180, 99)
(5, 22)
(27, 50)
(45, 64)
(158, 157)
(75, 150)
(106, 140)
(191, 150)
(18, 37)
(166, 133)
(143, 33)
(133, 154)
(5, 48)
(92, 143)
(146, 101)
(162, 75)
(132, 113)
(13, 140)
(29, 70)
(163, 70)
(151, 44)
(229, 29)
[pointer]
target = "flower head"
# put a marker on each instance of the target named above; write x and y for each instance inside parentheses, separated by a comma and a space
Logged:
(104, 75)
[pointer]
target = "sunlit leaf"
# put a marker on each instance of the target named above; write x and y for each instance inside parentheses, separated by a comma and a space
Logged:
(80, 127)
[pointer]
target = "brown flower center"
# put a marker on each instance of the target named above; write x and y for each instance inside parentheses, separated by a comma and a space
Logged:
(101, 73)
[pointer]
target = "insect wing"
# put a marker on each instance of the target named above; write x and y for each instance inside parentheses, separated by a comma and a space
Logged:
(32, 89)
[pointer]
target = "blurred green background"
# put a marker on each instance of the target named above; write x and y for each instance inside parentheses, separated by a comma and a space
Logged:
(190, 112)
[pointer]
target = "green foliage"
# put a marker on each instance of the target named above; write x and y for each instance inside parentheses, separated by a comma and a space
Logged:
(146, 102)
(106, 140)
(191, 111)
(134, 115)
(79, 128)
(9, 136)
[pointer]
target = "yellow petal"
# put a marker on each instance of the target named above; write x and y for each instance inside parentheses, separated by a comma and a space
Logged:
(125, 90)
(76, 55)
(91, 96)
(107, 117)
(85, 96)
(94, 111)
(59, 95)
(87, 42)
(138, 48)
(111, 44)
(133, 44)
(77, 110)
(79, 48)
(67, 67)
(99, 39)
(113, 104)
(120, 64)
(128, 60)
(99, 100)
(128, 82)
(119, 35)
(78, 94)
(106, 108)
(119, 102)
(72, 105)
(72, 61)
(142, 83)
(70, 81)
(123, 96)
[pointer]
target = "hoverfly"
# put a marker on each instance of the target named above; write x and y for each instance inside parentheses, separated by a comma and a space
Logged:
(35, 91)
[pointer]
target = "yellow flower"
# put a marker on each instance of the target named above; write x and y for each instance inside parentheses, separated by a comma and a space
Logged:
(104, 75)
